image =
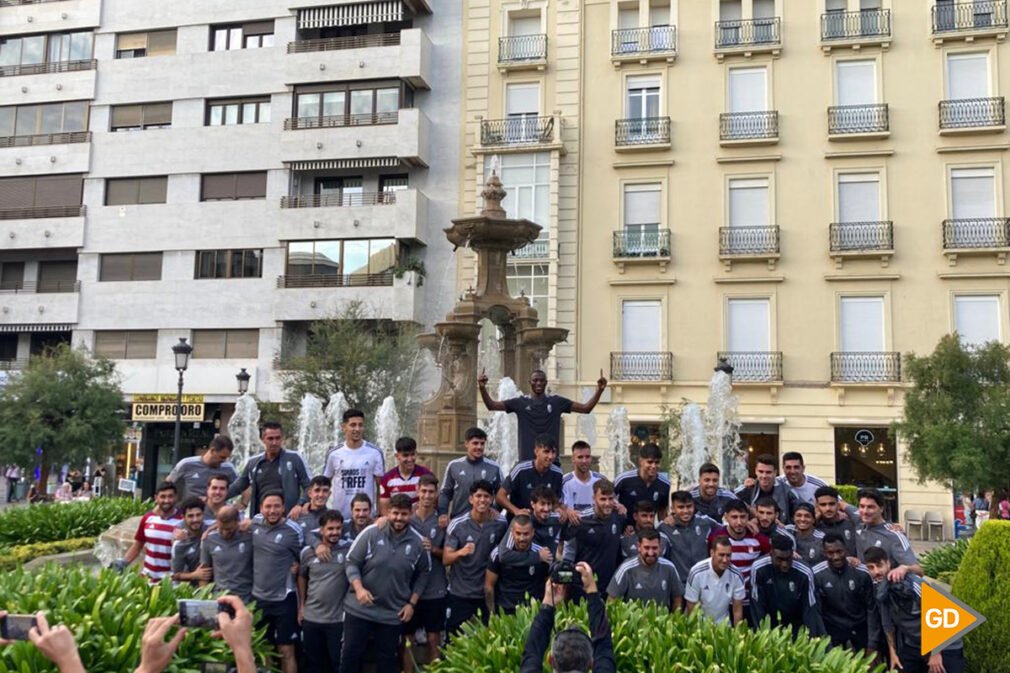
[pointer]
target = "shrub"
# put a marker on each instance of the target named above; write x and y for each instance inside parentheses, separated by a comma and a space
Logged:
(107, 614)
(16, 556)
(648, 639)
(63, 521)
(944, 559)
(849, 493)
(983, 582)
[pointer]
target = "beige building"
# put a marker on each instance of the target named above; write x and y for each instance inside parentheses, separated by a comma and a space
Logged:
(809, 189)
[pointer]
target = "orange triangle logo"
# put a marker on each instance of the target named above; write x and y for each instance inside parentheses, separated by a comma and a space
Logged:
(944, 619)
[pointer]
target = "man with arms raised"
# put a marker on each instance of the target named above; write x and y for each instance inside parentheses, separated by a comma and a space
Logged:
(356, 467)
(190, 475)
(648, 576)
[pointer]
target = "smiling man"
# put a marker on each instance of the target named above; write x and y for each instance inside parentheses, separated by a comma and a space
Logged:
(355, 467)
(515, 494)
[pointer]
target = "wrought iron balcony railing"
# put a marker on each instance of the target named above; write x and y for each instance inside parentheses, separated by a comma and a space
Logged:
(630, 243)
(332, 121)
(40, 286)
(754, 366)
(46, 139)
(536, 250)
(43, 68)
(348, 42)
(739, 33)
(642, 131)
(853, 25)
(972, 113)
(636, 41)
(845, 119)
(981, 232)
(969, 16)
(522, 48)
(641, 366)
(749, 125)
(866, 367)
(861, 236)
(748, 241)
(338, 199)
(38, 212)
(326, 280)
(526, 130)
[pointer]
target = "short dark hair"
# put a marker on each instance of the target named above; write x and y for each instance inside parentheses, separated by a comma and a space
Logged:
(792, 455)
(538, 371)
(271, 494)
(648, 534)
(708, 468)
(766, 501)
(826, 492)
(735, 505)
(768, 459)
(572, 650)
(361, 497)
(782, 543)
(579, 444)
(650, 452)
(604, 486)
(406, 445)
(874, 555)
(270, 425)
(219, 476)
(546, 441)
(720, 541)
(871, 493)
(522, 520)
(329, 515)
(400, 501)
(192, 503)
(833, 538)
(474, 433)
(544, 493)
(352, 413)
(645, 506)
(320, 480)
(428, 480)
(166, 486)
(683, 497)
(482, 485)
(221, 442)
(806, 507)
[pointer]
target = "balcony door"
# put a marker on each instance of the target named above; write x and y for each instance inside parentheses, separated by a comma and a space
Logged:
(764, 21)
(870, 19)
(977, 319)
(342, 191)
(834, 18)
(748, 95)
(730, 16)
(642, 215)
(973, 209)
(627, 24)
(643, 107)
(522, 109)
(858, 206)
(967, 76)
(749, 332)
(641, 341)
(748, 208)
(862, 331)
(856, 83)
(660, 37)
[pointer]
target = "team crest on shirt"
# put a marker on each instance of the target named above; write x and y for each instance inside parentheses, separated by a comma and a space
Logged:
(433, 531)
(288, 464)
(878, 543)
(340, 558)
(613, 529)
(492, 538)
(813, 553)
(278, 537)
(848, 534)
(381, 542)
(663, 584)
(406, 550)
(483, 474)
(852, 585)
(215, 549)
(697, 530)
(792, 586)
(533, 571)
(241, 547)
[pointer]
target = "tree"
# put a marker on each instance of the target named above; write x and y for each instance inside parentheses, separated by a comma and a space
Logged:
(957, 416)
(66, 404)
(365, 359)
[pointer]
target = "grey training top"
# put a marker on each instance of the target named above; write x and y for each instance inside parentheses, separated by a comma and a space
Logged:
(846, 528)
(894, 543)
(392, 567)
(186, 555)
(309, 523)
(190, 476)
(460, 474)
(275, 548)
(900, 607)
(232, 562)
(429, 528)
(466, 577)
(688, 543)
(810, 548)
(327, 584)
(629, 545)
(636, 581)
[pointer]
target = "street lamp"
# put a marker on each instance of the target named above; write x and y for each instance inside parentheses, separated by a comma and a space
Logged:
(182, 352)
(243, 381)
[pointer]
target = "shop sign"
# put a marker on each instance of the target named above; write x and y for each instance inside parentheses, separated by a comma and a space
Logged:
(158, 408)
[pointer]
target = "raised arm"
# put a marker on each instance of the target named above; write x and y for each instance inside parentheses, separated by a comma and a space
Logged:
(586, 407)
(490, 403)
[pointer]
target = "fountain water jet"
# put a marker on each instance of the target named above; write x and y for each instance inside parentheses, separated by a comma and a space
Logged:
(387, 430)
(503, 430)
(312, 440)
(243, 428)
(615, 458)
(335, 408)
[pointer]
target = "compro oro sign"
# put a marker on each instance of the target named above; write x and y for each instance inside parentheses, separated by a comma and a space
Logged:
(163, 408)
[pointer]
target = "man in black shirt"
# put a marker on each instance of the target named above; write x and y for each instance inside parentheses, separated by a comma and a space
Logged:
(597, 538)
(645, 483)
(538, 413)
(845, 595)
(831, 519)
(546, 521)
(765, 484)
(517, 570)
(784, 591)
(515, 493)
(709, 498)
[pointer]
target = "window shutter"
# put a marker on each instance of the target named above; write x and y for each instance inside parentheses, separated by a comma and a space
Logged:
(524, 25)
(17, 192)
(115, 267)
(858, 197)
(217, 186)
(126, 41)
(977, 319)
(141, 344)
(152, 190)
(242, 343)
(642, 204)
(522, 99)
(862, 321)
(747, 90)
(967, 76)
(59, 190)
(972, 193)
(640, 322)
(856, 82)
(748, 326)
(209, 343)
(161, 43)
(251, 185)
(748, 203)
(121, 191)
(147, 266)
(258, 28)
(110, 344)
(125, 116)
(157, 113)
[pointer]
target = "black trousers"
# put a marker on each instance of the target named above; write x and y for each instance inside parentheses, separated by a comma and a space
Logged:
(462, 609)
(913, 662)
(841, 637)
(386, 645)
(321, 643)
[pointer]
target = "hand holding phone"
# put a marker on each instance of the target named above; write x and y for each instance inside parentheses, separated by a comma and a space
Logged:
(16, 627)
(202, 614)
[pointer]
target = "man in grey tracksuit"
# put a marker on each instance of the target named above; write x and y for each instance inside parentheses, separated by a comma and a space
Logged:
(322, 585)
(276, 469)
(463, 472)
(688, 533)
(388, 569)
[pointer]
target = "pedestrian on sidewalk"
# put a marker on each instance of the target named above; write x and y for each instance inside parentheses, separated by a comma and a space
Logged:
(13, 474)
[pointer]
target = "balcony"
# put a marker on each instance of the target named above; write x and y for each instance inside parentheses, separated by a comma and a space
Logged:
(46, 139)
(972, 115)
(40, 286)
(326, 280)
(39, 83)
(651, 246)
(879, 367)
(349, 42)
(643, 44)
(319, 296)
(337, 121)
(401, 214)
(749, 128)
(34, 308)
(405, 55)
(755, 366)
(858, 122)
(401, 134)
(978, 236)
(17, 364)
(969, 19)
(861, 240)
(39, 212)
(538, 249)
(522, 52)
(518, 133)
(868, 27)
(641, 367)
(47, 68)
(643, 133)
(752, 36)
(748, 244)
(45, 153)
(348, 199)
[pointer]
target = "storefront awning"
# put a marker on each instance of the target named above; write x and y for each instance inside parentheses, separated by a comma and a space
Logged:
(38, 327)
(331, 164)
(359, 13)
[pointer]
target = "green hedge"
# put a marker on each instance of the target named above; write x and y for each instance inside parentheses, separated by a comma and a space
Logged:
(648, 639)
(107, 614)
(16, 556)
(983, 582)
(944, 559)
(63, 521)
(849, 493)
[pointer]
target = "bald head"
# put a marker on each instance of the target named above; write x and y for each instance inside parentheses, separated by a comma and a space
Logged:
(227, 521)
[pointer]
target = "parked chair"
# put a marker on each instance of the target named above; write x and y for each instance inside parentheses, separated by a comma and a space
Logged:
(934, 519)
(914, 518)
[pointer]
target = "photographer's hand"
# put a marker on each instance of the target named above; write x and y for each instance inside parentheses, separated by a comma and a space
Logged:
(588, 579)
(155, 651)
(237, 632)
(554, 594)
(56, 644)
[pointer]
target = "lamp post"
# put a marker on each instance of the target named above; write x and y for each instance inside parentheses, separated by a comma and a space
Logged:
(182, 351)
(243, 381)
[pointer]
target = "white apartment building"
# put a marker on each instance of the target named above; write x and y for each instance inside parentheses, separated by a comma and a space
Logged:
(224, 172)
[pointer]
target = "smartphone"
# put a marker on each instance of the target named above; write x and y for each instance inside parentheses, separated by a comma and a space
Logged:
(16, 627)
(201, 614)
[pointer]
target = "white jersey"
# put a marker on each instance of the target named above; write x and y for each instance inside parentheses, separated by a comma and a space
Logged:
(804, 493)
(354, 471)
(576, 494)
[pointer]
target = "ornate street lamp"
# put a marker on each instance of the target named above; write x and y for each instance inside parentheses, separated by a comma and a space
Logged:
(243, 381)
(182, 351)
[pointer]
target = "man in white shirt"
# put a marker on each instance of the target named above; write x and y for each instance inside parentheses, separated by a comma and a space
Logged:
(577, 485)
(715, 585)
(795, 476)
(356, 467)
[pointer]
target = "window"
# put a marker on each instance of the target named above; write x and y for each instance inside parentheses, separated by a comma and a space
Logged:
(342, 257)
(127, 345)
(141, 116)
(748, 202)
(972, 193)
(57, 275)
(226, 343)
(37, 50)
(748, 326)
(245, 36)
(43, 191)
(522, 110)
(748, 90)
(967, 76)
(233, 186)
(859, 197)
(524, 25)
(528, 177)
(862, 324)
(338, 100)
(29, 120)
(643, 100)
(977, 319)
(229, 264)
(12, 276)
(130, 266)
(856, 82)
(642, 217)
(641, 330)
(393, 183)
(238, 111)
(150, 43)
(135, 191)
(529, 280)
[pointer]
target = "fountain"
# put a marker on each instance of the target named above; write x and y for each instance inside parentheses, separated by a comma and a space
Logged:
(243, 428)
(586, 423)
(503, 430)
(387, 430)
(615, 458)
(335, 408)
(455, 342)
(312, 440)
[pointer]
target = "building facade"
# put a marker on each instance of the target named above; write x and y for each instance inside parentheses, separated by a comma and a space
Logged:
(221, 172)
